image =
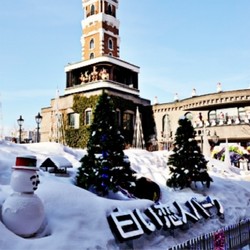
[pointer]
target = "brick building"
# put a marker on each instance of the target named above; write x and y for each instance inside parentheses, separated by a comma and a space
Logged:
(100, 69)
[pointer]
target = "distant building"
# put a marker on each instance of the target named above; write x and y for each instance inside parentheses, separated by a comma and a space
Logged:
(221, 115)
(27, 136)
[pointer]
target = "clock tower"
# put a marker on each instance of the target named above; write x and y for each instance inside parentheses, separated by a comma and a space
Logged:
(100, 29)
(100, 69)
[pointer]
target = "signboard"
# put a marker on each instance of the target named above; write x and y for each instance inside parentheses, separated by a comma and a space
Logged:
(128, 225)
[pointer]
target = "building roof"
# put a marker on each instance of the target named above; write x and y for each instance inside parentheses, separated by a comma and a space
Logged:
(101, 59)
(56, 161)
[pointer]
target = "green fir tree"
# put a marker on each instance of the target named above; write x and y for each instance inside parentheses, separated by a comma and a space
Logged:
(105, 166)
(187, 163)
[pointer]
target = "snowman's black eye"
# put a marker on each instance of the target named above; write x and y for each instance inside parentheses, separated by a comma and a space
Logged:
(32, 177)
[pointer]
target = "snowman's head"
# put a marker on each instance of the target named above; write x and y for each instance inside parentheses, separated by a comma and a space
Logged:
(24, 181)
(24, 178)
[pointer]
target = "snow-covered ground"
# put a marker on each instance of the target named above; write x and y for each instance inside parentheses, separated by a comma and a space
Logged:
(77, 219)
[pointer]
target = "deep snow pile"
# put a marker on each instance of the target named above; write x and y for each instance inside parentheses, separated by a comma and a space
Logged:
(77, 219)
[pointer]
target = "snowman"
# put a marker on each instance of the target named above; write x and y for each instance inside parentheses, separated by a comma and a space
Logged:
(23, 211)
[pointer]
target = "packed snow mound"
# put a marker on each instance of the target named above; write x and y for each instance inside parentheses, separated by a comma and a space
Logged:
(77, 219)
(152, 165)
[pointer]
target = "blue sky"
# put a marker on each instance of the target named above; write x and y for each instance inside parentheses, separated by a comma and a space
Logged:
(178, 45)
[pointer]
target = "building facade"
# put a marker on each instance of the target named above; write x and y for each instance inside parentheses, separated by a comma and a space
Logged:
(100, 70)
(223, 115)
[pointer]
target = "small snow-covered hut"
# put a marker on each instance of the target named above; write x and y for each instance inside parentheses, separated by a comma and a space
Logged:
(56, 164)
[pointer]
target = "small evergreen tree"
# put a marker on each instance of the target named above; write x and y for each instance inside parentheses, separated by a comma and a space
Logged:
(187, 163)
(105, 167)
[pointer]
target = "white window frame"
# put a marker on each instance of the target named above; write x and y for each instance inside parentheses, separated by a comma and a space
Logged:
(88, 116)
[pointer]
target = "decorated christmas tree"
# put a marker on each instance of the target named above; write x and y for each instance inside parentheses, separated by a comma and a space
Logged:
(187, 163)
(105, 166)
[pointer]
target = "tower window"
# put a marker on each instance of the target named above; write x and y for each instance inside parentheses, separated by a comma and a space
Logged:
(109, 10)
(92, 44)
(110, 44)
(92, 9)
(91, 56)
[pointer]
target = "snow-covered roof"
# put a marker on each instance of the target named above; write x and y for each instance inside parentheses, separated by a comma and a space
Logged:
(56, 161)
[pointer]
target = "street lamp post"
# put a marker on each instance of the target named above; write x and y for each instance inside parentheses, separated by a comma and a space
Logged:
(38, 121)
(20, 123)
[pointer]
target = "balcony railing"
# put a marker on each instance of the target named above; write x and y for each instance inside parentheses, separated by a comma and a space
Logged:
(231, 120)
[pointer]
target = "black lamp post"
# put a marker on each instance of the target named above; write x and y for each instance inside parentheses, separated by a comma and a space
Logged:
(38, 121)
(20, 123)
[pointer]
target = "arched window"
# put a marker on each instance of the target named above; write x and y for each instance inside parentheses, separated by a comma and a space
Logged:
(91, 56)
(110, 44)
(92, 44)
(110, 9)
(92, 9)
(212, 117)
(166, 127)
(242, 114)
(189, 116)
